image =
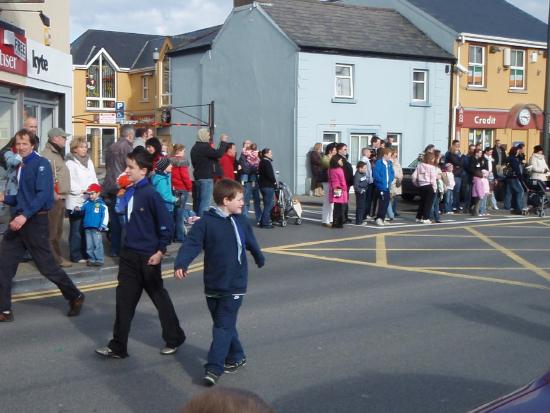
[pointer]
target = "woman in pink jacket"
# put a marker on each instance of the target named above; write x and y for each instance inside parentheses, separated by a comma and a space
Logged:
(338, 190)
(425, 178)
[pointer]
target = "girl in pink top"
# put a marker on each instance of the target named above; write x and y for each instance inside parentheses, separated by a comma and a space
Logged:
(425, 178)
(338, 190)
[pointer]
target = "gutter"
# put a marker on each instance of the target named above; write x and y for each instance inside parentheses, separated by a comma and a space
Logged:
(501, 40)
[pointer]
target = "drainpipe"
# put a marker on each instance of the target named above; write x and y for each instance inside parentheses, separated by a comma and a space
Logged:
(457, 101)
(546, 133)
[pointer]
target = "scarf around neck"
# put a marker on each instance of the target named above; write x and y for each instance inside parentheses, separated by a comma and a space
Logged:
(82, 159)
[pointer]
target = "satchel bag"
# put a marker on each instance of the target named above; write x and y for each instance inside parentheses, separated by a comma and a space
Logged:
(337, 192)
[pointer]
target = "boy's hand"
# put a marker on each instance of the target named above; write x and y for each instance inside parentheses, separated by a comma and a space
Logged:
(180, 274)
(155, 259)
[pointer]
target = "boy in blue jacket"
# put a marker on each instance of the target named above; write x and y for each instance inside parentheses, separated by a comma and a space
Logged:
(96, 220)
(225, 235)
(383, 177)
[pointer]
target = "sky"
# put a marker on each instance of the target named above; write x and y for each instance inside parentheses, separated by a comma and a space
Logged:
(169, 17)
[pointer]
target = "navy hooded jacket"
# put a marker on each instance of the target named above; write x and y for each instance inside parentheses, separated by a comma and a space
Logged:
(223, 274)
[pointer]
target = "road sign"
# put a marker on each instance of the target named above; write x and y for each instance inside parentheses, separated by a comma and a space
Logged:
(119, 110)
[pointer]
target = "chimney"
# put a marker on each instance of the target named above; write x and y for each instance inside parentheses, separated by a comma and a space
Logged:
(239, 3)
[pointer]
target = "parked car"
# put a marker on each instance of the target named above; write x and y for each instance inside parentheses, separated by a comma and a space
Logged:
(532, 398)
(409, 190)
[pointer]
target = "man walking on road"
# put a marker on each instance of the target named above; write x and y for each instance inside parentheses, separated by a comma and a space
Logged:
(29, 229)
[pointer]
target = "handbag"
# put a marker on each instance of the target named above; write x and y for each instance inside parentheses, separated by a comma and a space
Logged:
(337, 192)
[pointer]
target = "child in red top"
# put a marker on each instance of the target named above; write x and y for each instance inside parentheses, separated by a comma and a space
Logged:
(227, 161)
(182, 186)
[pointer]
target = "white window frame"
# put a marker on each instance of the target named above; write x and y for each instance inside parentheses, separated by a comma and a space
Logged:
(350, 77)
(358, 141)
(425, 82)
(102, 99)
(477, 64)
(166, 88)
(145, 88)
(100, 154)
(487, 137)
(397, 137)
(331, 136)
(513, 67)
(39, 105)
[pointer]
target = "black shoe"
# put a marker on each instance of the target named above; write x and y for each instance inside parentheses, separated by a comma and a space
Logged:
(6, 316)
(75, 306)
(348, 221)
(233, 367)
(108, 353)
(210, 378)
(266, 226)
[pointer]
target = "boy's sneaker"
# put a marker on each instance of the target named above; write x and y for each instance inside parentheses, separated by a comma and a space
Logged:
(379, 222)
(233, 367)
(210, 378)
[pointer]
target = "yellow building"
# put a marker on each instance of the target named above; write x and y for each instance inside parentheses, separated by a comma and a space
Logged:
(499, 91)
(119, 78)
(35, 67)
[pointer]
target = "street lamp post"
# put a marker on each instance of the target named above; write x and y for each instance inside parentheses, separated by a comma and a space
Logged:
(546, 137)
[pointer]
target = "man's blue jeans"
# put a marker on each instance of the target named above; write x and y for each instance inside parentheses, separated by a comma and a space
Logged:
(225, 346)
(206, 188)
(267, 195)
(449, 200)
(456, 192)
(252, 192)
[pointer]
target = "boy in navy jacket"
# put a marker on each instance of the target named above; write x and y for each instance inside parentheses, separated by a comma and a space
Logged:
(225, 235)
(148, 233)
(96, 220)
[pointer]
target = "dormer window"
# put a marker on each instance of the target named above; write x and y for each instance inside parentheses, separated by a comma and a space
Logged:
(100, 85)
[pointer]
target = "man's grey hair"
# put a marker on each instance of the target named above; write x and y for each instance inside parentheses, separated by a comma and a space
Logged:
(126, 131)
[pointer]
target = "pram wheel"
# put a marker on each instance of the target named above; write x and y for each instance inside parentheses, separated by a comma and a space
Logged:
(283, 223)
(298, 221)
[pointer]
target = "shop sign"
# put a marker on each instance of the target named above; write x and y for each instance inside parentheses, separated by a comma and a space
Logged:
(144, 119)
(47, 64)
(13, 52)
(478, 119)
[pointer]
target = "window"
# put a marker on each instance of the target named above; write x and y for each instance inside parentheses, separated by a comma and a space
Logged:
(6, 122)
(45, 114)
(358, 141)
(145, 88)
(100, 85)
(99, 140)
(329, 137)
(344, 81)
(476, 66)
(166, 91)
(396, 142)
(482, 136)
(517, 69)
(420, 86)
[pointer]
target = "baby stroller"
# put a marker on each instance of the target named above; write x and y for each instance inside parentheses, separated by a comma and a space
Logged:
(285, 206)
(537, 199)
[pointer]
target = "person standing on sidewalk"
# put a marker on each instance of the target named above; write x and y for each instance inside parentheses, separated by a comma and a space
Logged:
(148, 233)
(328, 207)
(28, 229)
(54, 151)
(115, 164)
(95, 221)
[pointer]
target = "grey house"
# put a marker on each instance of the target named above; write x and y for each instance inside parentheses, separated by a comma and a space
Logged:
(290, 73)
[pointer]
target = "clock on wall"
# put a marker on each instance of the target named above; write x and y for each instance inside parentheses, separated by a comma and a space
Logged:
(524, 117)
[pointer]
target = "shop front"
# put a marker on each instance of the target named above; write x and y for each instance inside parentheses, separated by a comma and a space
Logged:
(521, 124)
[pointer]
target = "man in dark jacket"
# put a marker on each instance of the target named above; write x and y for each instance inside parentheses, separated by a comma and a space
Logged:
(342, 152)
(115, 164)
(28, 229)
(204, 159)
(454, 157)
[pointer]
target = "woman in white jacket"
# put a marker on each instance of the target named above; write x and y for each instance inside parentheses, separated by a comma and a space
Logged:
(537, 164)
(82, 171)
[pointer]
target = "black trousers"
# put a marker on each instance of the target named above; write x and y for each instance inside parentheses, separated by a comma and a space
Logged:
(338, 215)
(383, 202)
(34, 237)
(360, 207)
(426, 202)
(134, 276)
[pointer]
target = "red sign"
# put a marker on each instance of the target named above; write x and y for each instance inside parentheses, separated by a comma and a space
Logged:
(13, 52)
(495, 119)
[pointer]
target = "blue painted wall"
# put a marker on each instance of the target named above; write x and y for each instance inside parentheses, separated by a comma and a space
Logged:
(250, 73)
(383, 93)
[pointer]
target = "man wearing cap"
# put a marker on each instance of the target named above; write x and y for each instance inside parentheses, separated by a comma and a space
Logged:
(54, 151)
(28, 228)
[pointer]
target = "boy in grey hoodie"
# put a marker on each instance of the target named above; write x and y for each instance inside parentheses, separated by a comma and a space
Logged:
(360, 185)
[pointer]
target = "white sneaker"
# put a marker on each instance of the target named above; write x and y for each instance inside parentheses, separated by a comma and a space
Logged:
(450, 213)
(379, 222)
(418, 221)
(495, 208)
(369, 218)
(425, 221)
